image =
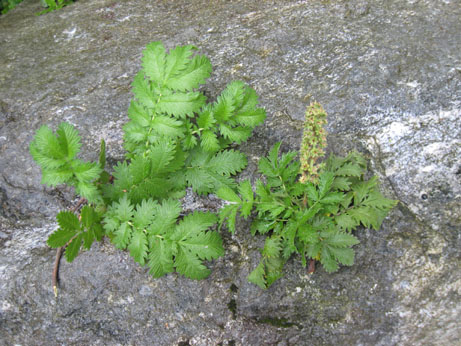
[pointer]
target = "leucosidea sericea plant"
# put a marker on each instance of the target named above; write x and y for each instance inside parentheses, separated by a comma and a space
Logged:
(173, 140)
(305, 206)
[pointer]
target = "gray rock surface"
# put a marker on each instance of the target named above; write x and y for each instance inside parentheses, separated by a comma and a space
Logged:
(389, 75)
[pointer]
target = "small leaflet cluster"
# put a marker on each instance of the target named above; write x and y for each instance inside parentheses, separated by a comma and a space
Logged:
(57, 156)
(152, 235)
(310, 217)
(174, 140)
(53, 5)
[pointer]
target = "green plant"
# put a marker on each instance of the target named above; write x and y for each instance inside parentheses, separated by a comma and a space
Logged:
(309, 208)
(174, 140)
(6, 5)
(53, 5)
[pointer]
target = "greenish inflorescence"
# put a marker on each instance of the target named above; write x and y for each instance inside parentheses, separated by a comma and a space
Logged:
(313, 143)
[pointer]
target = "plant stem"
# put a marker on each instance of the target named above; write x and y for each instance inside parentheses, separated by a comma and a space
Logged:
(311, 267)
(60, 251)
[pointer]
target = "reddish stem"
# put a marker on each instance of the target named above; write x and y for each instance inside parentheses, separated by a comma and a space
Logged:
(311, 267)
(60, 251)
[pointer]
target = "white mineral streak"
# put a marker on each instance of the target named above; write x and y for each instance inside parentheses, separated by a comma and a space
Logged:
(420, 152)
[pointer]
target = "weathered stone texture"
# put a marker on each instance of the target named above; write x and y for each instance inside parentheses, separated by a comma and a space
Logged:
(388, 74)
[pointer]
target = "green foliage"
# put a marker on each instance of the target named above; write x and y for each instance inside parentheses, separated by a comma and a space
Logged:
(57, 157)
(6, 5)
(174, 140)
(53, 5)
(313, 219)
(75, 232)
(153, 235)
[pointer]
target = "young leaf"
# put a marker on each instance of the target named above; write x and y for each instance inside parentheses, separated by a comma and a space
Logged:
(144, 214)
(73, 248)
(346, 222)
(208, 172)
(272, 247)
(88, 216)
(228, 100)
(177, 60)
(227, 194)
(166, 214)
(194, 245)
(68, 221)
(349, 170)
(236, 134)
(247, 194)
(154, 61)
(181, 104)
(274, 153)
(142, 91)
(209, 141)
(123, 209)
(325, 182)
(161, 257)
(193, 224)
(122, 236)
(343, 255)
(165, 126)
(227, 162)
(206, 245)
(69, 140)
(257, 276)
(341, 240)
(328, 261)
(60, 237)
(206, 119)
(189, 265)
(86, 172)
(138, 246)
(229, 212)
(197, 71)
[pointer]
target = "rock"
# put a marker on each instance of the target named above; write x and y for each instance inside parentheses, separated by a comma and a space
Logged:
(388, 76)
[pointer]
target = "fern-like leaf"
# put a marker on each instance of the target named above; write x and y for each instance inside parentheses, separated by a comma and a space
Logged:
(196, 72)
